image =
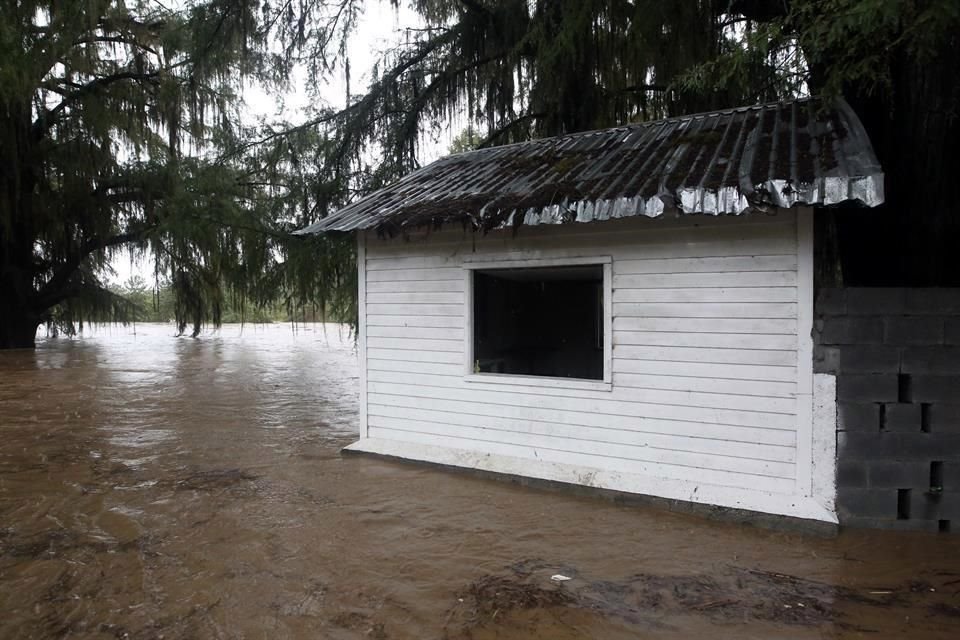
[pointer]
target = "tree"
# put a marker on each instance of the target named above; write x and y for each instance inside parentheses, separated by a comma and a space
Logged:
(895, 62)
(119, 127)
(519, 69)
(466, 140)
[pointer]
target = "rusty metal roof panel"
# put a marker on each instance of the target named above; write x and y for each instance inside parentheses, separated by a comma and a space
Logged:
(799, 152)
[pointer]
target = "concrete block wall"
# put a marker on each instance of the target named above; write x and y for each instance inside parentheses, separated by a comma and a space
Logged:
(896, 355)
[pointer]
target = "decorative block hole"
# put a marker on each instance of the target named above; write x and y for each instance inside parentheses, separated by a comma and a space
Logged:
(904, 388)
(925, 417)
(943, 526)
(883, 417)
(903, 504)
(936, 476)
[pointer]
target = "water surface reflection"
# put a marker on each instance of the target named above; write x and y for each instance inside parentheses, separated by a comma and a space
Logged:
(156, 486)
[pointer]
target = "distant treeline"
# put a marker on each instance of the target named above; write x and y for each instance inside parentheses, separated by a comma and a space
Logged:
(155, 303)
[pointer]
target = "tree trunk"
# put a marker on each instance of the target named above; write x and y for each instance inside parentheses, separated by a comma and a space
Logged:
(18, 318)
(912, 239)
(18, 327)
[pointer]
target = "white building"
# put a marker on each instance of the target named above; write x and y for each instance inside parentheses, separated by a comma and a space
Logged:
(555, 310)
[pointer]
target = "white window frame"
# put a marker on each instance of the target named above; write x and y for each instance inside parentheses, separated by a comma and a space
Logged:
(606, 384)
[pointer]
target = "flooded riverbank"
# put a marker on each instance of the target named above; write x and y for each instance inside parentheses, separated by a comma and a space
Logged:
(153, 486)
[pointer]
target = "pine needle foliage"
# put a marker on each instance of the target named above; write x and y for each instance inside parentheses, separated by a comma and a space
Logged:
(119, 130)
(120, 125)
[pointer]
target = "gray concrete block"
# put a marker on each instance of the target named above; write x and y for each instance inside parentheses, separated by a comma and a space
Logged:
(897, 474)
(925, 446)
(933, 301)
(858, 522)
(871, 359)
(867, 388)
(951, 331)
(855, 416)
(857, 359)
(854, 445)
(831, 302)
(948, 507)
(851, 331)
(903, 330)
(852, 473)
(826, 359)
(901, 417)
(936, 389)
(925, 505)
(944, 418)
(873, 301)
(939, 360)
(867, 503)
(951, 477)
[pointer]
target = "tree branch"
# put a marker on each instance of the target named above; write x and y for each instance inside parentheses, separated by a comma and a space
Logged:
(116, 40)
(359, 106)
(57, 288)
(47, 119)
(502, 131)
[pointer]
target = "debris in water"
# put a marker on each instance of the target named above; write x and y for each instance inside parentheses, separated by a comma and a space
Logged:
(214, 479)
(494, 596)
(731, 594)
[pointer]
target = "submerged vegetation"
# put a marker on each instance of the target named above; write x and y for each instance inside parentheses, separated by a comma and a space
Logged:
(121, 128)
(152, 302)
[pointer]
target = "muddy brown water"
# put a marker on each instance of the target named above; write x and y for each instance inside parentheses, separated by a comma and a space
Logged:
(161, 487)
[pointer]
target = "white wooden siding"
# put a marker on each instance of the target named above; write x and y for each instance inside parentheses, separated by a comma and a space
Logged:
(704, 357)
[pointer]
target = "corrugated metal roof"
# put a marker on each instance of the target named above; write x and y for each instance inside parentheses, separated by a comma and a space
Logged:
(799, 152)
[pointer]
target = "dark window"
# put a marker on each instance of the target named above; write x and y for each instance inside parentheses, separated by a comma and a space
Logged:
(542, 321)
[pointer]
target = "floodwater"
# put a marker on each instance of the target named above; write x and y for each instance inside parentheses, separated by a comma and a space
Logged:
(161, 487)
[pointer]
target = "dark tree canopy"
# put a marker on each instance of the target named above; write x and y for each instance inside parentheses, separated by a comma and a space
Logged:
(520, 69)
(120, 127)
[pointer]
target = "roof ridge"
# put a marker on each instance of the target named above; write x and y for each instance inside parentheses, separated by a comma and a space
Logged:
(773, 155)
(632, 125)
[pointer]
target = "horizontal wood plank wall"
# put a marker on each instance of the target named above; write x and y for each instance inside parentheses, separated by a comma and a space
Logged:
(704, 351)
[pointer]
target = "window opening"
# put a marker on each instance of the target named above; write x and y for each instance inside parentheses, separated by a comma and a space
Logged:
(539, 321)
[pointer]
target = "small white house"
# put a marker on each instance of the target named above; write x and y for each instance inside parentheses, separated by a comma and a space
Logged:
(627, 309)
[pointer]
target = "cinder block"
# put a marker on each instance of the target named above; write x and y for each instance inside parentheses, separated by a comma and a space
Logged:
(951, 331)
(867, 503)
(857, 522)
(831, 302)
(902, 417)
(857, 359)
(922, 446)
(939, 360)
(902, 331)
(826, 359)
(897, 474)
(944, 418)
(873, 301)
(851, 331)
(951, 477)
(949, 507)
(925, 505)
(867, 388)
(856, 445)
(936, 389)
(854, 416)
(940, 301)
(851, 473)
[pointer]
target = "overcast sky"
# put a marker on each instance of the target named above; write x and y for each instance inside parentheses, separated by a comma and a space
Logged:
(379, 28)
